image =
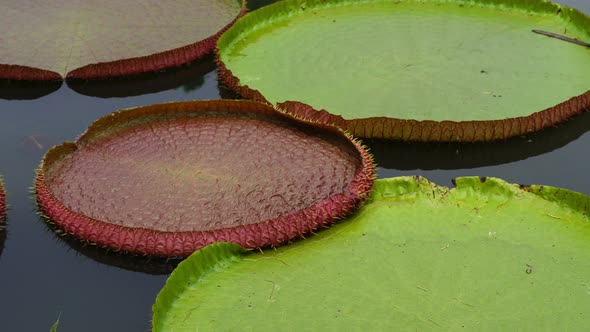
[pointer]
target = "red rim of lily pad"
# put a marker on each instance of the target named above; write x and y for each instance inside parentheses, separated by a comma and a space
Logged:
(136, 263)
(445, 131)
(336, 172)
(408, 129)
(123, 67)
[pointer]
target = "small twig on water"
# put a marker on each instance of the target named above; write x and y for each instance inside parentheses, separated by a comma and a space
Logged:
(560, 37)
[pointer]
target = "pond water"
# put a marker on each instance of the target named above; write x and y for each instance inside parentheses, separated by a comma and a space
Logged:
(44, 276)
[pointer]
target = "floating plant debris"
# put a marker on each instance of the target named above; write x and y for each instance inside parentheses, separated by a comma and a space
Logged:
(417, 256)
(101, 38)
(561, 37)
(168, 179)
(413, 70)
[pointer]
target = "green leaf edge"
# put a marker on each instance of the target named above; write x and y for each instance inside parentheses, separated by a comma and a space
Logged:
(55, 326)
(403, 129)
(191, 270)
(266, 15)
(406, 188)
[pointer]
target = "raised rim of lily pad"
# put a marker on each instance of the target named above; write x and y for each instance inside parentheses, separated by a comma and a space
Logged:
(122, 260)
(187, 77)
(485, 254)
(393, 128)
(440, 156)
(159, 61)
(158, 240)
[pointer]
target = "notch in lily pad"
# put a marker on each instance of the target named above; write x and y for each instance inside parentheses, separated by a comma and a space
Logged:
(106, 39)
(418, 256)
(458, 71)
(168, 179)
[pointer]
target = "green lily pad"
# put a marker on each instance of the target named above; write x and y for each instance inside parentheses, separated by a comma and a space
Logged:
(486, 255)
(105, 38)
(414, 70)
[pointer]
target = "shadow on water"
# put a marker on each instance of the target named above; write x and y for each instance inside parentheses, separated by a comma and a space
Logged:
(189, 77)
(2, 234)
(446, 156)
(122, 260)
(27, 90)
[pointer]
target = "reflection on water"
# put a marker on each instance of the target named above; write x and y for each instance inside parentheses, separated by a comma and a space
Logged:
(18, 90)
(136, 263)
(189, 77)
(2, 234)
(41, 276)
(432, 156)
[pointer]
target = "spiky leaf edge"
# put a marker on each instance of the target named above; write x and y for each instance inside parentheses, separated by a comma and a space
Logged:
(414, 130)
(271, 232)
(124, 67)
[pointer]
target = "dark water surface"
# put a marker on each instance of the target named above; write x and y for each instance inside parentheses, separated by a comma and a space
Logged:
(43, 277)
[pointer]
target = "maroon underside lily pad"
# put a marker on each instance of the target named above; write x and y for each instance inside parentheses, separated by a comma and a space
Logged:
(104, 39)
(168, 179)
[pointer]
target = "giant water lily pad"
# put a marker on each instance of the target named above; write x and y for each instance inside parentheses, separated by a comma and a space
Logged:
(101, 38)
(485, 255)
(168, 179)
(414, 70)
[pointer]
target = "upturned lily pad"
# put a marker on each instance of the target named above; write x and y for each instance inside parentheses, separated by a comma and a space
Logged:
(102, 38)
(412, 70)
(168, 179)
(486, 255)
